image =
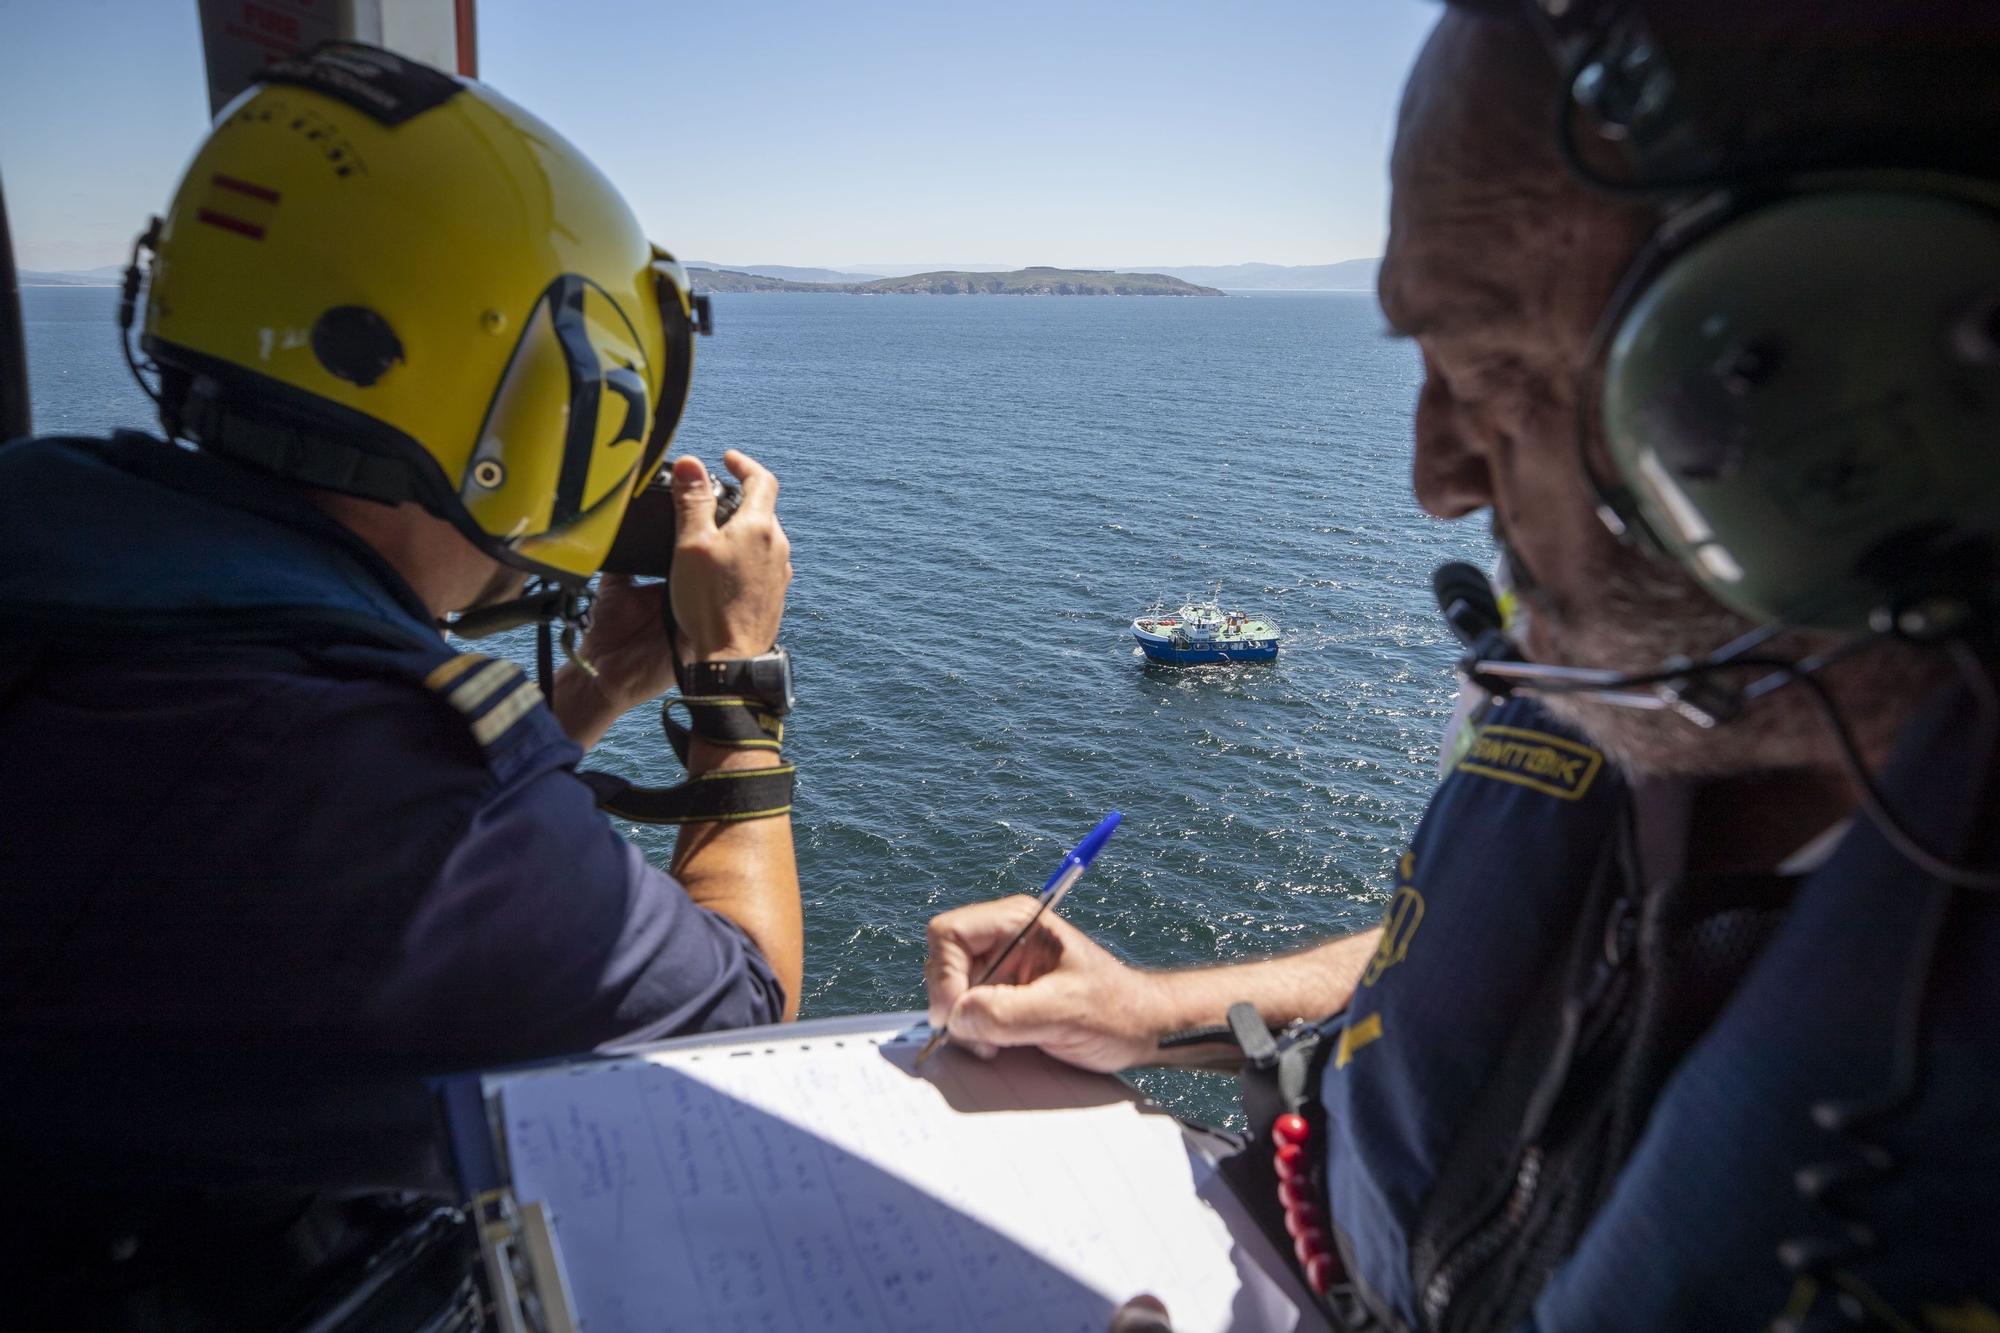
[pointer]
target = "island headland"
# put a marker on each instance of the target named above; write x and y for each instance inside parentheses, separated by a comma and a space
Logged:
(1037, 281)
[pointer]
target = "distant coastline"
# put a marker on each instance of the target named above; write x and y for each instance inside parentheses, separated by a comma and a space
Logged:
(955, 279)
(1348, 275)
(1035, 281)
(108, 276)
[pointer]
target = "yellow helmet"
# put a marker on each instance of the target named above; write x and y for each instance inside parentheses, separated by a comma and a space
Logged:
(383, 280)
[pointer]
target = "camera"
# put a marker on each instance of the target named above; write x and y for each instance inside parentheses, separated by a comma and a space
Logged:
(644, 547)
(645, 542)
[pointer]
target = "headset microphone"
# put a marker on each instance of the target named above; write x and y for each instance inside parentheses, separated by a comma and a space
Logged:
(1495, 664)
(1466, 597)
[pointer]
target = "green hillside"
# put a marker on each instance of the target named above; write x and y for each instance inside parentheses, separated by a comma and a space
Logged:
(729, 280)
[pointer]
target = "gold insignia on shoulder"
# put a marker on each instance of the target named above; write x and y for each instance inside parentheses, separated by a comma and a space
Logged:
(472, 681)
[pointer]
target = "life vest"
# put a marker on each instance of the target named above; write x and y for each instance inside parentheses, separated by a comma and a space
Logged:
(1821, 1148)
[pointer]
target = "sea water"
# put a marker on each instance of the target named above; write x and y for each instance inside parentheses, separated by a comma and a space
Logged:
(981, 493)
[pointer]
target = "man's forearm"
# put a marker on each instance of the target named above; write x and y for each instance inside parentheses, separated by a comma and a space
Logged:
(581, 708)
(1309, 984)
(746, 871)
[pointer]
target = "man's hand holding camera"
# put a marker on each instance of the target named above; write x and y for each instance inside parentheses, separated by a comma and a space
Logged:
(728, 581)
(728, 584)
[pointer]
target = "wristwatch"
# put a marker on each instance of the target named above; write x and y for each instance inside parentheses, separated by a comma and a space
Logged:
(767, 678)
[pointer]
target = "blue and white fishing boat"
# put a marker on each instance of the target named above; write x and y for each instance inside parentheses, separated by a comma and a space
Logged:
(1202, 632)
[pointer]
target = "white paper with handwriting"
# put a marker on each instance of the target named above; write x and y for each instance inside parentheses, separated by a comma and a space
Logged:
(813, 1182)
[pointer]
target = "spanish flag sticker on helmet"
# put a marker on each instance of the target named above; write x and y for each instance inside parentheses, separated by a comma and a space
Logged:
(578, 375)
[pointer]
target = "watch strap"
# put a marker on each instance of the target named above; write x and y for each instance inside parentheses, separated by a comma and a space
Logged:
(712, 678)
(739, 676)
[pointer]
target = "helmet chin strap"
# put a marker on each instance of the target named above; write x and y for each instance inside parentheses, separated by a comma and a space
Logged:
(145, 247)
(541, 606)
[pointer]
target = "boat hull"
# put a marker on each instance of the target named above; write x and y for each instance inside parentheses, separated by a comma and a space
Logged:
(1165, 652)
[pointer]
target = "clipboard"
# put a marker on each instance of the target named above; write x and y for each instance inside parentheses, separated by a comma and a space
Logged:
(806, 1176)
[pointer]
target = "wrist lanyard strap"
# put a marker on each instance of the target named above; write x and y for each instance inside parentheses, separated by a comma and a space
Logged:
(728, 721)
(708, 798)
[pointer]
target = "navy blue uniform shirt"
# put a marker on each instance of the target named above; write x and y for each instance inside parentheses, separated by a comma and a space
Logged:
(212, 844)
(251, 892)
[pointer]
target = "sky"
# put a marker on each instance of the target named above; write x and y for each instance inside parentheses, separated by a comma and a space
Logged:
(1102, 134)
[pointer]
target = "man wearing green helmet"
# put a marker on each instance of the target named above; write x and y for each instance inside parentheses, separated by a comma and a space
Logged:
(422, 353)
(1681, 1013)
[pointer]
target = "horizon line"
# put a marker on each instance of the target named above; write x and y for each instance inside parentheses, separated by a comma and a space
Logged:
(945, 266)
(864, 268)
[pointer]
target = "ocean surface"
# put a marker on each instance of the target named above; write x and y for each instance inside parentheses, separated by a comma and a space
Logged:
(981, 493)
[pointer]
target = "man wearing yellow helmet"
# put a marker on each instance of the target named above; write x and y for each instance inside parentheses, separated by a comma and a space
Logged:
(273, 851)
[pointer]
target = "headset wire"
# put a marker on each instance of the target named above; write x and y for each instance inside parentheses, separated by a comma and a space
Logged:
(1874, 802)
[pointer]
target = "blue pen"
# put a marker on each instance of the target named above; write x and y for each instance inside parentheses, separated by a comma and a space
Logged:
(1067, 874)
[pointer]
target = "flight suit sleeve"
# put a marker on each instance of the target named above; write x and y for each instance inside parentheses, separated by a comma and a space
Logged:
(546, 933)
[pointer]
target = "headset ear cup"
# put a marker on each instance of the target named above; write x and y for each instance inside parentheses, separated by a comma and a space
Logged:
(1618, 504)
(1785, 403)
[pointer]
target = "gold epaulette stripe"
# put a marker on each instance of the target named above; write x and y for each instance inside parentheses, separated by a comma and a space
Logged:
(482, 685)
(469, 680)
(446, 672)
(507, 712)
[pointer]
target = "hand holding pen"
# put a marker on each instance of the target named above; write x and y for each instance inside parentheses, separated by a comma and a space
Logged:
(1057, 989)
